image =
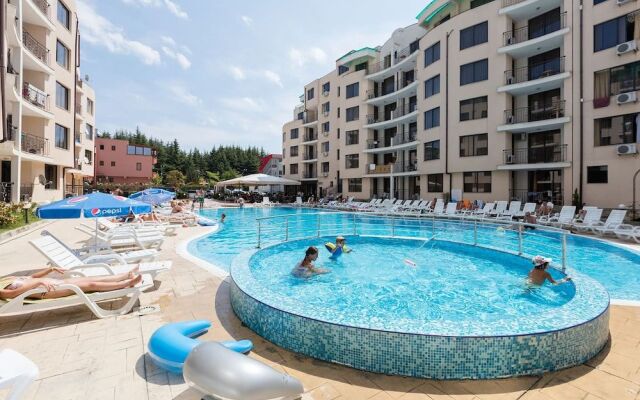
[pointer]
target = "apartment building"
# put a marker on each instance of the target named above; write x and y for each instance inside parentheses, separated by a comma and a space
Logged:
(480, 99)
(117, 161)
(47, 144)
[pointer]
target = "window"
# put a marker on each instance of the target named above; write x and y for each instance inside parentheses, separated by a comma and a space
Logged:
(62, 96)
(89, 156)
(474, 35)
(325, 147)
(62, 55)
(338, 154)
(341, 70)
(338, 131)
(338, 112)
(353, 113)
(432, 54)
(101, 163)
(310, 94)
(113, 148)
(326, 88)
(325, 167)
(432, 118)
(89, 131)
(432, 86)
(351, 137)
(293, 151)
(326, 126)
(352, 160)
(326, 107)
(294, 133)
(293, 169)
(475, 108)
(139, 166)
(477, 182)
(51, 176)
(616, 80)
(474, 72)
(612, 33)
(474, 145)
(478, 3)
(361, 66)
(353, 90)
(62, 137)
(434, 183)
(432, 150)
(113, 163)
(63, 15)
(595, 2)
(615, 130)
(138, 150)
(597, 174)
(90, 106)
(355, 185)
(101, 147)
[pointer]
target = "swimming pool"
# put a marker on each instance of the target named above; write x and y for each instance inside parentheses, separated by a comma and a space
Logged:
(617, 268)
(454, 311)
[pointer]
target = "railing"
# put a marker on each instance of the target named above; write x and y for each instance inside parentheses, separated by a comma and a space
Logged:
(36, 48)
(528, 196)
(29, 143)
(525, 114)
(531, 32)
(310, 116)
(5, 192)
(398, 167)
(403, 83)
(75, 190)
(43, 6)
(78, 108)
(398, 57)
(310, 156)
(535, 71)
(308, 137)
(513, 237)
(78, 137)
(309, 175)
(401, 111)
(507, 3)
(398, 139)
(35, 96)
(26, 191)
(535, 155)
(378, 169)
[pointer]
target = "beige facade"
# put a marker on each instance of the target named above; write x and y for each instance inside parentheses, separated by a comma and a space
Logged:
(505, 99)
(48, 146)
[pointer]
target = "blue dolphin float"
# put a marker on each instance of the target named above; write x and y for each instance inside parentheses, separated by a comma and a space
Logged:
(170, 345)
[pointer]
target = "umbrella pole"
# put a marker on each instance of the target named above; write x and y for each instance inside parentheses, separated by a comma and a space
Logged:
(95, 249)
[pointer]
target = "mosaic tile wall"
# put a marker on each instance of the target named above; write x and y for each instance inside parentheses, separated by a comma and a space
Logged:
(437, 357)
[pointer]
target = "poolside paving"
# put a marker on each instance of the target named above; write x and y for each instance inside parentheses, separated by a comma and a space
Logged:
(81, 357)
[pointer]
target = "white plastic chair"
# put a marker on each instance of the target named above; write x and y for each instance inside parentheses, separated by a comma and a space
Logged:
(16, 371)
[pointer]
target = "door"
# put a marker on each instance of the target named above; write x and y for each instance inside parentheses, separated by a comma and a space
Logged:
(544, 147)
(5, 171)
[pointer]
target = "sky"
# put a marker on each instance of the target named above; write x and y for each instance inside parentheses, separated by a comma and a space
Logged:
(220, 72)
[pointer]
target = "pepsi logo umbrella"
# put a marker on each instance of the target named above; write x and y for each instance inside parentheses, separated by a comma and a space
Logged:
(153, 196)
(94, 205)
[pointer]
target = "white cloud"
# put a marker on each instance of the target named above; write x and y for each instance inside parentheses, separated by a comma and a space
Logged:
(183, 95)
(248, 21)
(169, 40)
(302, 57)
(180, 58)
(170, 5)
(241, 104)
(273, 77)
(99, 31)
(237, 73)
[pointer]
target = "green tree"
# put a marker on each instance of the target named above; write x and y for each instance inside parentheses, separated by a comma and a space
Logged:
(175, 179)
(229, 174)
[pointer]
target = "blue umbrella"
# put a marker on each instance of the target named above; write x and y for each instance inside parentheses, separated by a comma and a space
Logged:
(153, 196)
(92, 205)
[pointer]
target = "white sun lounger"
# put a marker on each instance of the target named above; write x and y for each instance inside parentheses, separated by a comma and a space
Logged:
(98, 265)
(16, 372)
(452, 208)
(501, 207)
(628, 232)
(23, 305)
(158, 228)
(591, 219)
(565, 218)
(512, 211)
(614, 222)
(528, 208)
(122, 239)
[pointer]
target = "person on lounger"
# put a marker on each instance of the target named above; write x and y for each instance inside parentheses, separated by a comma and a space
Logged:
(13, 286)
(538, 275)
(306, 268)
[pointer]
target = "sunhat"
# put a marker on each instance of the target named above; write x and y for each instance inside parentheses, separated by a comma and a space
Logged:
(539, 260)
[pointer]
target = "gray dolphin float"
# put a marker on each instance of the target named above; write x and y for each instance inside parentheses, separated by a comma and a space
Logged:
(217, 371)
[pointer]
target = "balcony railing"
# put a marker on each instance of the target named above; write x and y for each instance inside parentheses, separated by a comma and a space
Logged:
(74, 190)
(43, 6)
(507, 3)
(26, 191)
(35, 96)
(398, 57)
(78, 137)
(310, 156)
(536, 71)
(36, 48)
(403, 83)
(309, 175)
(5, 192)
(310, 116)
(527, 196)
(308, 137)
(398, 139)
(398, 167)
(533, 31)
(535, 155)
(526, 114)
(78, 108)
(29, 143)
(397, 113)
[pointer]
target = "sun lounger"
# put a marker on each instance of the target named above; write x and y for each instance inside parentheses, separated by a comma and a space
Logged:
(528, 208)
(99, 265)
(438, 209)
(122, 239)
(591, 218)
(452, 208)
(564, 218)
(485, 211)
(16, 372)
(158, 228)
(501, 207)
(23, 305)
(628, 232)
(512, 211)
(613, 223)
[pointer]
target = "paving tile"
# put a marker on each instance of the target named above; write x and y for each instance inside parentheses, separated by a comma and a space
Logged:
(323, 392)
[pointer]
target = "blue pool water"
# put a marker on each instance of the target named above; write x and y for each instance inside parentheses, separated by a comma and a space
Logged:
(616, 268)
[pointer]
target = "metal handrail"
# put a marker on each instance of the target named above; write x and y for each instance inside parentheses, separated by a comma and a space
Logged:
(36, 48)
(534, 155)
(35, 96)
(422, 227)
(535, 71)
(404, 109)
(523, 34)
(399, 57)
(43, 6)
(526, 114)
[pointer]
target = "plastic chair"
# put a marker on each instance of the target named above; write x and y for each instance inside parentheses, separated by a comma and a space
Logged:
(16, 371)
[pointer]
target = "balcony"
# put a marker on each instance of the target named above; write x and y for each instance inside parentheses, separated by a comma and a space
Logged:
(36, 101)
(535, 78)
(78, 138)
(37, 54)
(309, 157)
(402, 114)
(406, 88)
(309, 175)
(310, 118)
(410, 168)
(546, 157)
(29, 143)
(310, 137)
(78, 108)
(528, 41)
(519, 10)
(37, 12)
(404, 60)
(551, 116)
(402, 141)
(527, 196)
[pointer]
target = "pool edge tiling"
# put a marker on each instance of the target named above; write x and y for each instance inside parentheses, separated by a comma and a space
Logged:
(421, 354)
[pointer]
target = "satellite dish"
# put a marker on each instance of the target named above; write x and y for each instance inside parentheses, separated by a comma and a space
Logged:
(42, 180)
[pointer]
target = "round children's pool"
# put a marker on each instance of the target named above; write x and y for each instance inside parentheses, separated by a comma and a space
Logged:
(433, 309)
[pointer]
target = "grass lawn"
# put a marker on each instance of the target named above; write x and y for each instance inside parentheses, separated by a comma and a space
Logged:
(20, 221)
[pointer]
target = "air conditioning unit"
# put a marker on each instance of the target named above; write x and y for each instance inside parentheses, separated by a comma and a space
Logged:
(372, 167)
(626, 47)
(624, 98)
(325, 153)
(509, 159)
(326, 113)
(624, 149)
(325, 174)
(325, 93)
(326, 133)
(621, 2)
(510, 80)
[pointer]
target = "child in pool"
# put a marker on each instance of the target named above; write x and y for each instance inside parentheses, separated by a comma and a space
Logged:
(305, 268)
(337, 249)
(538, 275)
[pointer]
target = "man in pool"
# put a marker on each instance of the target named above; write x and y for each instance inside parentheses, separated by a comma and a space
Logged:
(338, 248)
(538, 275)
(305, 268)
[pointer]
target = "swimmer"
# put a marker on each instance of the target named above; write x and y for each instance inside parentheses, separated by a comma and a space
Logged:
(538, 275)
(222, 217)
(305, 268)
(338, 248)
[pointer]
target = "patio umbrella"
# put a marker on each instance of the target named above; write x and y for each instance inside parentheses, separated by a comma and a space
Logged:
(257, 180)
(94, 205)
(153, 196)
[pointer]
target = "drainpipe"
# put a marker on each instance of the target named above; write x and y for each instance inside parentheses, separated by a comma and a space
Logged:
(446, 114)
(581, 164)
(3, 70)
(76, 64)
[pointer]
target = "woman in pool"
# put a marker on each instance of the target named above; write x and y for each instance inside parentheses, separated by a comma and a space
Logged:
(538, 275)
(305, 268)
(223, 217)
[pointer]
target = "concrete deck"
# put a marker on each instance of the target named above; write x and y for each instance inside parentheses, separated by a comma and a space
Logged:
(81, 357)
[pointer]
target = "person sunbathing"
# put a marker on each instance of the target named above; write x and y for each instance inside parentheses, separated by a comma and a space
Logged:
(151, 217)
(14, 286)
